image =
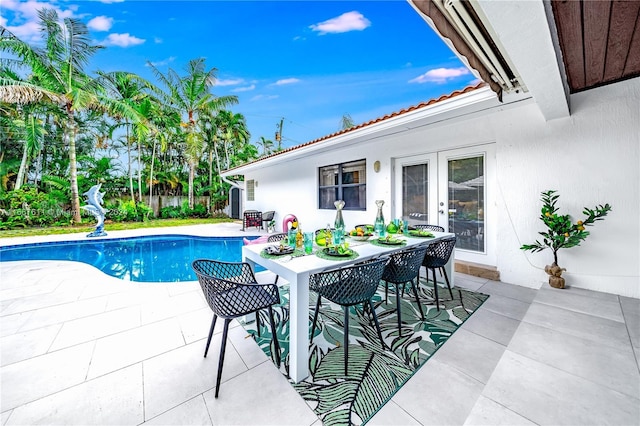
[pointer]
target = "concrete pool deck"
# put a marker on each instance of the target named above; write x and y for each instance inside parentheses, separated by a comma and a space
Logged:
(80, 347)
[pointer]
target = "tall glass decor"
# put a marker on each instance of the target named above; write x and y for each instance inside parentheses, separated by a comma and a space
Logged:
(339, 222)
(378, 225)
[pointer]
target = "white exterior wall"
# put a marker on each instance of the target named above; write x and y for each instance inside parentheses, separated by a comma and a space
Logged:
(591, 157)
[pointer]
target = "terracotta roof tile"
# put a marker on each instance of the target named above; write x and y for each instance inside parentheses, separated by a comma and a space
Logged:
(369, 123)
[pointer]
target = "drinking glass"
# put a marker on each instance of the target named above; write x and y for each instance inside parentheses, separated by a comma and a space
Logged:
(308, 242)
(292, 237)
(405, 227)
(337, 237)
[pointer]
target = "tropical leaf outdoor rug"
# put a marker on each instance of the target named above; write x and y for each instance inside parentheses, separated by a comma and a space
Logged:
(375, 374)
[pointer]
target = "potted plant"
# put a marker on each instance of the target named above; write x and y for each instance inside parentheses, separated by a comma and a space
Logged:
(562, 232)
(271, 226)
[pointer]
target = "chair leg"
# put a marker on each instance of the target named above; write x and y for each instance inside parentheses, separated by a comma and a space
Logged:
(257, 313)
(213, 325)
(446, 279)
(386, 292)
(435, 288)
(276, 281)
(222, 349)
(377, 323)
(415, 293)
(274, 336)
(346, 339)
(315, 317)
(398, 314)
(461, 301)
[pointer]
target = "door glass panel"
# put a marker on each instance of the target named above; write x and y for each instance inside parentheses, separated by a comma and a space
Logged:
(466, 202)
(415, 193)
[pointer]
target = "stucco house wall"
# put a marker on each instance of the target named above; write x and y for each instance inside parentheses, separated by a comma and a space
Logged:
(591, 157)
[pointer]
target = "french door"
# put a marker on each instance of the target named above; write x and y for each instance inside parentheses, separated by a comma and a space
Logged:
(453, 189)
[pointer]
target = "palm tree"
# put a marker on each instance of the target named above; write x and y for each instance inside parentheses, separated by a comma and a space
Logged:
(266, 144)
(190, 95)
(58, 78)
(346, 122)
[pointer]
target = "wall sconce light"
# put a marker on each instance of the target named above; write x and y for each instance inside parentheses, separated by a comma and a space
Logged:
(376, 166)
(255, 184)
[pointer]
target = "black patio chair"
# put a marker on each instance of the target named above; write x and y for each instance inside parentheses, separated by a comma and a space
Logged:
(348, 287)
(436, 257)
(267, 217)
(231, 290)
(274, 239)
(423, 227)
(403, 267)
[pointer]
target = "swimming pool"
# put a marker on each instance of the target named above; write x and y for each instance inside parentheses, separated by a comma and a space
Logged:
(155, 258)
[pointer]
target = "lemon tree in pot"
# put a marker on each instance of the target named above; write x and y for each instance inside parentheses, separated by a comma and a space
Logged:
(562, 233)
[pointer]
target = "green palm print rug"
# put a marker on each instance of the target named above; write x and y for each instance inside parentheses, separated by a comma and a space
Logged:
(375, 374)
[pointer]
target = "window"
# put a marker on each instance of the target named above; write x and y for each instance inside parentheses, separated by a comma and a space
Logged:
(251, 194)
(346, 181)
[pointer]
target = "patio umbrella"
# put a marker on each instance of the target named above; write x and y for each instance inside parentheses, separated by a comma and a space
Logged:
(475, 182)
(459, 186)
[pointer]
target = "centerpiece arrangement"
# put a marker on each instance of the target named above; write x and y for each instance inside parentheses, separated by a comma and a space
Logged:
(562, 232)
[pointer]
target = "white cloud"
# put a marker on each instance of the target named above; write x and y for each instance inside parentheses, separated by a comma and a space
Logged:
(440, 75)
(163, 62)
(229, 82)
(286, 81)
(122, 40)
(100, 23)
(157, 40)
(350, 21)
(111, 1)
(26, 22)
(245, 89)
(263, 97)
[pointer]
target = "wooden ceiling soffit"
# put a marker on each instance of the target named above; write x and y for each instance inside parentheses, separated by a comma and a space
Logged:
(600, 41)
(448, 31)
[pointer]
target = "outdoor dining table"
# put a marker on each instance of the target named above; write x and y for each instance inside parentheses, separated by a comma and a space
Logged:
(296, 270)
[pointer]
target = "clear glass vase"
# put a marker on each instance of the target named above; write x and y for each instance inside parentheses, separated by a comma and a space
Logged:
(378, 225)
(339, 222)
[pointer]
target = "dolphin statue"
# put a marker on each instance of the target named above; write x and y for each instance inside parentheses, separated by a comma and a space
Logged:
(94, 201)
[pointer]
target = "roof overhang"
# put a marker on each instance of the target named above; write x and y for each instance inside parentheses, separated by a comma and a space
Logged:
(454, 107)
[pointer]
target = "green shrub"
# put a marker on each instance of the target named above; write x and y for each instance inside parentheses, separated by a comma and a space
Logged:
(27, 207)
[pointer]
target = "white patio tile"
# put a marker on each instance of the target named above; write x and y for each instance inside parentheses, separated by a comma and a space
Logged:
(247, 348)
(581, 302)
(17, 292)
(195, 325)
(613, 367)
(391, 415)
(10, 324)
(434, 387)
(496, 327)
(34, 378)
(191, 412)
(4, 416)
(26, 344)
(64, 312)
(183, 373)
(113, 399)
(488, 412)
(96, 326)
(631, 312)
(590, 327)
(474, 355)
(524, 294)
(171, 307)
(264, 389)
(506, 306)
(132, 346)
(547, 395)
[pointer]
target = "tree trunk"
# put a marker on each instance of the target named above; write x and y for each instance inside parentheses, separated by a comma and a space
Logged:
(133, 197)
(153, 158)
(70, 135)
(139, 172)
(23, 166)
(192, 172)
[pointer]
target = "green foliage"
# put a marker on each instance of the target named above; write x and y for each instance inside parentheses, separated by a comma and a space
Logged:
(561, 231)
(128, 211)
(27, 207)
(183, 212)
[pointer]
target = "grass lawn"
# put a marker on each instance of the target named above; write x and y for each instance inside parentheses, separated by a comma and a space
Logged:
(155, 223)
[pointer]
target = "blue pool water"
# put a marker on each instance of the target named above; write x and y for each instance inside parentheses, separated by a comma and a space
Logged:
(159, 258)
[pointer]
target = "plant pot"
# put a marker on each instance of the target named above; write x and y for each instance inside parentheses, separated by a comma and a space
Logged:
(555, 275)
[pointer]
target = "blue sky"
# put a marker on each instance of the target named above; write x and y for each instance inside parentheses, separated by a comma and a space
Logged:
(309, 62)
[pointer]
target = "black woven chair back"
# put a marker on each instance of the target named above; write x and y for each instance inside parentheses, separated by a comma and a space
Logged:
(349, 286)
(436, 228)
(231, 289)
(277, 237)
(438, 253)
(404, 266)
